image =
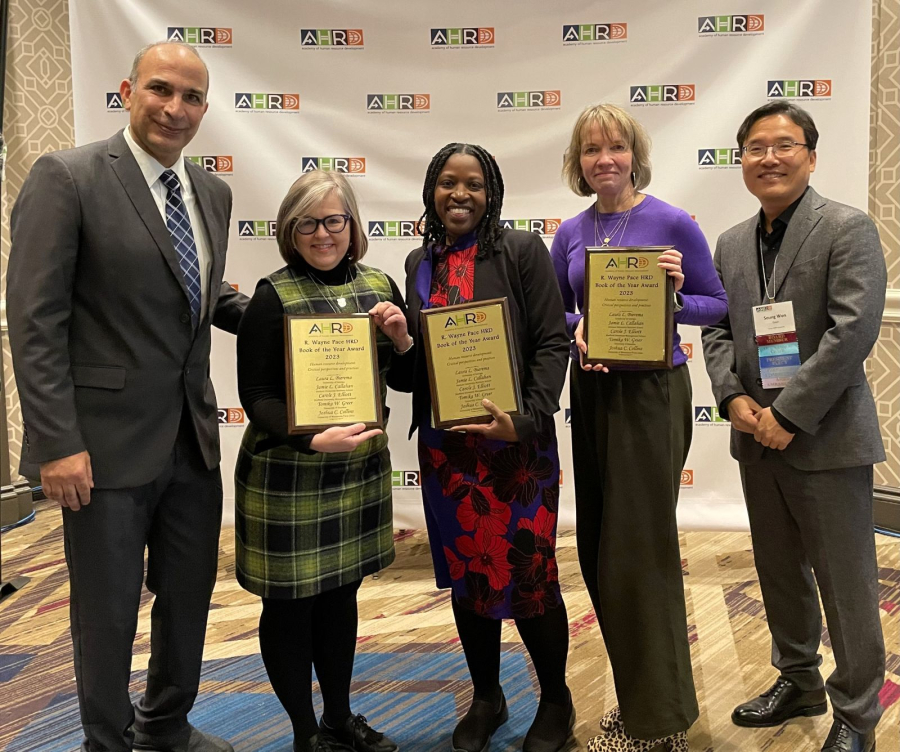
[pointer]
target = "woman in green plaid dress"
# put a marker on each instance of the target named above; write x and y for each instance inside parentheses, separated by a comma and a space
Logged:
(313, 512)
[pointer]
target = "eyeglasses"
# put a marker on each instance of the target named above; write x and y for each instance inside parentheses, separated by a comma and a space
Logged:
(781, 149)
(332, 223)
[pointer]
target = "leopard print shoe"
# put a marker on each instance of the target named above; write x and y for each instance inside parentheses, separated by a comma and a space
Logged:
(612, 720)
(617, 740)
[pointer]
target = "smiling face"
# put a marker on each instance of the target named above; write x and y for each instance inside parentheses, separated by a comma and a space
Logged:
(323, 250)
(167, 102)
(606, 162)
(777, 181)
(460, 196)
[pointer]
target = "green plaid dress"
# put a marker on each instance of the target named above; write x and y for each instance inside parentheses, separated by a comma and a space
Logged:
(308, 523)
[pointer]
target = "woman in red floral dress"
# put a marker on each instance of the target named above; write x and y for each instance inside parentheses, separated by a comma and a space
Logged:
(491, 491)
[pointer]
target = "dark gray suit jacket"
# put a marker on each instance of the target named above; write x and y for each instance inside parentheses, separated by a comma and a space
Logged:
(831, 266)
(105, 355)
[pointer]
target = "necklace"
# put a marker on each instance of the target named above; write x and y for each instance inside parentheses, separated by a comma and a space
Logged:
(341, 301)
(608, 236)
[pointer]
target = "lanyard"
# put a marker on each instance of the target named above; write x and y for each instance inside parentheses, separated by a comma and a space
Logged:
(762, 267)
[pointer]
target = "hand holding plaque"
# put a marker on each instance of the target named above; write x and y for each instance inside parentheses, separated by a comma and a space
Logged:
(332, 372)
(628, 307)
(470, 358)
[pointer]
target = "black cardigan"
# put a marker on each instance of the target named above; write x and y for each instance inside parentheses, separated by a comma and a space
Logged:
(518, 269)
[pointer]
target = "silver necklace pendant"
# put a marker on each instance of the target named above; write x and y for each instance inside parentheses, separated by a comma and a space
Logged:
(342, 302)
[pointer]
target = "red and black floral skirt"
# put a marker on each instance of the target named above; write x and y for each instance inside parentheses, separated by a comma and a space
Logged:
(491, 509)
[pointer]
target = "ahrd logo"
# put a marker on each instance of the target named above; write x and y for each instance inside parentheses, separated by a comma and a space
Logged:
(230, 416)
(708, 414)
(389, 229)
(463, 37)
(626, 262)
(688, 349)
(351, 166)
(596, 33)
(218, 164)
(799, 89)
(529, 100)
(253, 229)
(406, 479)
(114, 102)
(538, 226)
(266, 102)
(331, 38)
(392, 103)
(728, 25)
(687, 478)
(724, 157)
(657, 94)
(200, 36)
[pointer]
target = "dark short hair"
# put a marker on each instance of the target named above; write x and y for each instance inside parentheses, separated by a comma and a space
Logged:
(798, 115)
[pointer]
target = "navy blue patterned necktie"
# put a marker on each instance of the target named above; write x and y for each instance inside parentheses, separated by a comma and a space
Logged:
(179, 224)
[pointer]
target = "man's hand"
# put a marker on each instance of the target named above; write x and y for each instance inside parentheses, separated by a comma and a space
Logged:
(68, 480)
(582, 349)
(501, 427)
(342, 438)
(769, 432)
(743, 412)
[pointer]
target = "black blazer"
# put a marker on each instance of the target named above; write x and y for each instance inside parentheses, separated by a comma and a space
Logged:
(105, 356)
(520, 270)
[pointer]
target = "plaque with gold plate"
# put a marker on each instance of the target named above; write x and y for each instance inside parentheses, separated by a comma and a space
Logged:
(629, 305)
(470, 357)
(332, 372)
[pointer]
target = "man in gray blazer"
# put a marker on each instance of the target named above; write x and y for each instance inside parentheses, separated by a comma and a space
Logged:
(115, 277)
(804, 426)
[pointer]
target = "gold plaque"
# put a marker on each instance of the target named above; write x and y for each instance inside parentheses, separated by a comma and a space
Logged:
(628, 307)
(332, 372)
(470, 357)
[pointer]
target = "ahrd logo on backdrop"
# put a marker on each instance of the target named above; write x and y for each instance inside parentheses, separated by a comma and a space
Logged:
(392, 104)
(266, 102)
(114, 102)
(814, 88)
(574, 35)
(709, 415)
(538, 226)
(528, 101)
(256, 229)
(688, 349)
(472, 37)
(687, 478)
(200, 36)
(663, 94)
(717, 159)
(406, 478)
(354, 167)
(331, 39)
(392, 229)
(716, 26)
(218, 164)
(231, 416)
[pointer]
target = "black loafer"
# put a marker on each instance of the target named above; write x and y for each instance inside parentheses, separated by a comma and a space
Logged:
(473, 733)
(783, 700)
(321, 743)
(358, 735)
(190, 739)
(842, 738)
(552, 727)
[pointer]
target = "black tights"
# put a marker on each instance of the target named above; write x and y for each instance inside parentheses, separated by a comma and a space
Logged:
(546, 637)
(296, 634)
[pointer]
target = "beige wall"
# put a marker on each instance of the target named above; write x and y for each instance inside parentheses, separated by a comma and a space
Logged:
(38, 118)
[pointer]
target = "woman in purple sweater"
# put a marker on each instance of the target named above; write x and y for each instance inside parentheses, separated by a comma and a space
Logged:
(631, 431)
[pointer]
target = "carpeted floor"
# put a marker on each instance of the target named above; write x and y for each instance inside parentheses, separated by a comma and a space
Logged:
(410, 676)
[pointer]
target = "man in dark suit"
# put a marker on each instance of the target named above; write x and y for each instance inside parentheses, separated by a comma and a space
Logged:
(115, 277)
(791, 377)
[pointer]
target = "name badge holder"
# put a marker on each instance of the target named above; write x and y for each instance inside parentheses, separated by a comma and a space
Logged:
(776, 337)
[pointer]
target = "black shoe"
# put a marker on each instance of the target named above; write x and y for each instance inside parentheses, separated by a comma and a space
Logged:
(781, 701)
(473, 733)
(321, 743)
(358, 735)
(552, 727)
(842, 738)
(188, 740)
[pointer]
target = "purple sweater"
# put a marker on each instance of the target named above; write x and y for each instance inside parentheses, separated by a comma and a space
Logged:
(652, 222)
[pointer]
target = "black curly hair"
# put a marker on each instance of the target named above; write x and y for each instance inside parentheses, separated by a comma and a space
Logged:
(488, 229)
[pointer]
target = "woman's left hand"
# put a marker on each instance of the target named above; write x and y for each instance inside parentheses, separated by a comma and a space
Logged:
(671, 262)
(391, 320)
(501, 427)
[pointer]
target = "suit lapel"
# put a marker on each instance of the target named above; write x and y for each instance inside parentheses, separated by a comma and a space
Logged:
(805, 218)
(205, 198)
(749, 259)
(126, 168)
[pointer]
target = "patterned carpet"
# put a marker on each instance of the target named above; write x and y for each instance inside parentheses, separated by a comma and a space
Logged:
(410, 678)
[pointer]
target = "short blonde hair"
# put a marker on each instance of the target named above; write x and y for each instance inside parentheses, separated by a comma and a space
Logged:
(307, 192)
(612, 121)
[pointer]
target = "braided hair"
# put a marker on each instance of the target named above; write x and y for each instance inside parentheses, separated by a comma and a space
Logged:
(488, 229)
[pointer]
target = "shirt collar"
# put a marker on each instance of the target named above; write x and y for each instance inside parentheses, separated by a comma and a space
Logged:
(782, 220)
(150, 168)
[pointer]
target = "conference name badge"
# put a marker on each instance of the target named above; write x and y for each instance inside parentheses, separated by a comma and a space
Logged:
(776, 343)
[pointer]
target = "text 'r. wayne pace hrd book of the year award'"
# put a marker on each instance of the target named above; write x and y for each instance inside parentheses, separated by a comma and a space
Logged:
(628, 307)
(332, 372)
(470, 357)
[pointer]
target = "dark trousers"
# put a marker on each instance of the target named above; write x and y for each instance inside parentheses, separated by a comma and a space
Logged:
(631, 431)
(817, 527)
(177, 518)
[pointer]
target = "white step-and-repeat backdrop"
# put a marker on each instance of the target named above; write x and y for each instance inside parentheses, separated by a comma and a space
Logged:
(374, 89)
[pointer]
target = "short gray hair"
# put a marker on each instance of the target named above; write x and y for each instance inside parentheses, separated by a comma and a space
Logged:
(133, 76)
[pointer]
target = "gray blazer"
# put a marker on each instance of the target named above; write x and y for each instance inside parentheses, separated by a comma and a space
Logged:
(106, 358)
(831, 266)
